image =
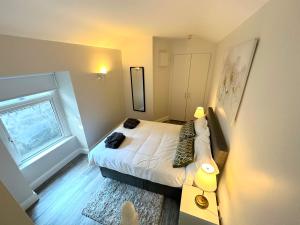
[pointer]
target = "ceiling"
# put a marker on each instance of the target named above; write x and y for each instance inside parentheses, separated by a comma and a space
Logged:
(108, 23)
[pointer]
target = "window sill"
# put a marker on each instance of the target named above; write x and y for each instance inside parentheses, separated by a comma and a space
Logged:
(44, 153)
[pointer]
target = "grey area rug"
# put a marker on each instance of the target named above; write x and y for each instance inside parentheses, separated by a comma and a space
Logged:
(105, 206)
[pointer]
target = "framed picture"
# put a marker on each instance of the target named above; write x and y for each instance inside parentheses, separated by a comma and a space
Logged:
(235, 74)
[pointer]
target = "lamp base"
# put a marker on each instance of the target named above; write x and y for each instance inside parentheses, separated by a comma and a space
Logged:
(201, 201)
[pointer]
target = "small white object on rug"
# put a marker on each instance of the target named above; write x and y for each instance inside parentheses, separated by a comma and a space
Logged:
(129, 215)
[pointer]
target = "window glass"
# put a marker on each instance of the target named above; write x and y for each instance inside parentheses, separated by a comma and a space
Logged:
(32, 128)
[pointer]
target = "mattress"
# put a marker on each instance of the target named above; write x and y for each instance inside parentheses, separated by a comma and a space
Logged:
(147, 152)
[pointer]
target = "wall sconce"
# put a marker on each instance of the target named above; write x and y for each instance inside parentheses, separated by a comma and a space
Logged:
(102, 73)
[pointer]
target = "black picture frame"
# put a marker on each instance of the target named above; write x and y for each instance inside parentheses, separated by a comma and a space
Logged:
(144, 97)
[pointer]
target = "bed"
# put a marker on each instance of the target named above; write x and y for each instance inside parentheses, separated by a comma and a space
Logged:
(145, 157)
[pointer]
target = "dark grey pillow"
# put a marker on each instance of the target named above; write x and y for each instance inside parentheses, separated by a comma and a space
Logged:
(184, 153)
(187, 131)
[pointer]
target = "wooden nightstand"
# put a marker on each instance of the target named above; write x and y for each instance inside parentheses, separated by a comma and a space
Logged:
(191, 214)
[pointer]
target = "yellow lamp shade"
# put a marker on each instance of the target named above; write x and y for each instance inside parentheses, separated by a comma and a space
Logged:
(199, 113)
(206, 181)
(210, 167)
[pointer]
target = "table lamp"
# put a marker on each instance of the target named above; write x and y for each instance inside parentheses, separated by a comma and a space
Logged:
(206, 180)
(199, 113)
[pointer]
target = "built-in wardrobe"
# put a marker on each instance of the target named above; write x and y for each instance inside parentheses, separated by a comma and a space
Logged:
(188, 84)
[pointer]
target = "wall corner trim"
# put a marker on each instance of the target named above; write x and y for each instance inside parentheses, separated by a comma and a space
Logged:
(84, 151)
(30, 201)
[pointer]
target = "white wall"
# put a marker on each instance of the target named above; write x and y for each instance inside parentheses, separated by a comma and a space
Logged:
(193, 45)
(100, 102)
(13, 179)
(162, 75)
(40, 168)
(49, 162)
(138, 52)
(19, 86)
(261, 180)
(143, 51)
(161, 78)
(70, 107)
(11, 213)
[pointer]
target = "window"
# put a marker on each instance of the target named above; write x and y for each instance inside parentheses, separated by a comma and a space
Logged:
(30, 125)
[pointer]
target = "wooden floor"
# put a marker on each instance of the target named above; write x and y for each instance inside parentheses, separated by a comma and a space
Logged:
(63, 197)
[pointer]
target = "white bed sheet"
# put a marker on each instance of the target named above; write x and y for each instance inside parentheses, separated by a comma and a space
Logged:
(147, 152)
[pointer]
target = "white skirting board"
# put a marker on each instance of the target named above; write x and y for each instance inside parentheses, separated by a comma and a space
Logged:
(30, 201)
(55, 169)
(85, 151)
(162, 119)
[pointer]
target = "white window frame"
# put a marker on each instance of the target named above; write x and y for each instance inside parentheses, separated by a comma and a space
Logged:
(51, 96)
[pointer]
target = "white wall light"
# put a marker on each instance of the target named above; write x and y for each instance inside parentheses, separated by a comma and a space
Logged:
(102, 73)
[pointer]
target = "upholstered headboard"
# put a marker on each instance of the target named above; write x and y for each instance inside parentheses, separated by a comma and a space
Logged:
(219, 147)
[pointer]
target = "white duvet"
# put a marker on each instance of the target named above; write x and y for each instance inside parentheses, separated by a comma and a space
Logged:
(147, 152)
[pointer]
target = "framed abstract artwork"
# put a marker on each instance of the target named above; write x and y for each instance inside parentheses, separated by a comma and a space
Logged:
(235, 74)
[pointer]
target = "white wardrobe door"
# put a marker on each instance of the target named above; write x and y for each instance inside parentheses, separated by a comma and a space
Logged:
(179, 83)
(197, 83)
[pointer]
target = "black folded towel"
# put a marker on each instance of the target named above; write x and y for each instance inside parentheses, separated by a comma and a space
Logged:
(114, 136)
(114, 140)
(131, 123)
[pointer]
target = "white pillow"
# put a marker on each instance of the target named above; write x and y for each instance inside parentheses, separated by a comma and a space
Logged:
(202, 148)
(201, 126)
(203, 152)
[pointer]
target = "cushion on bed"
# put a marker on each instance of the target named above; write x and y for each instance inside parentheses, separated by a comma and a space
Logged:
(187, 131)
(184, 153)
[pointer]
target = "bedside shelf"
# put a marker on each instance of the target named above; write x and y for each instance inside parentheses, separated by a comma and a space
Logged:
(191, 214)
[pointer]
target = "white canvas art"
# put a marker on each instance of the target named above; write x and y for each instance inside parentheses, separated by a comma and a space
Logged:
(234, 78)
